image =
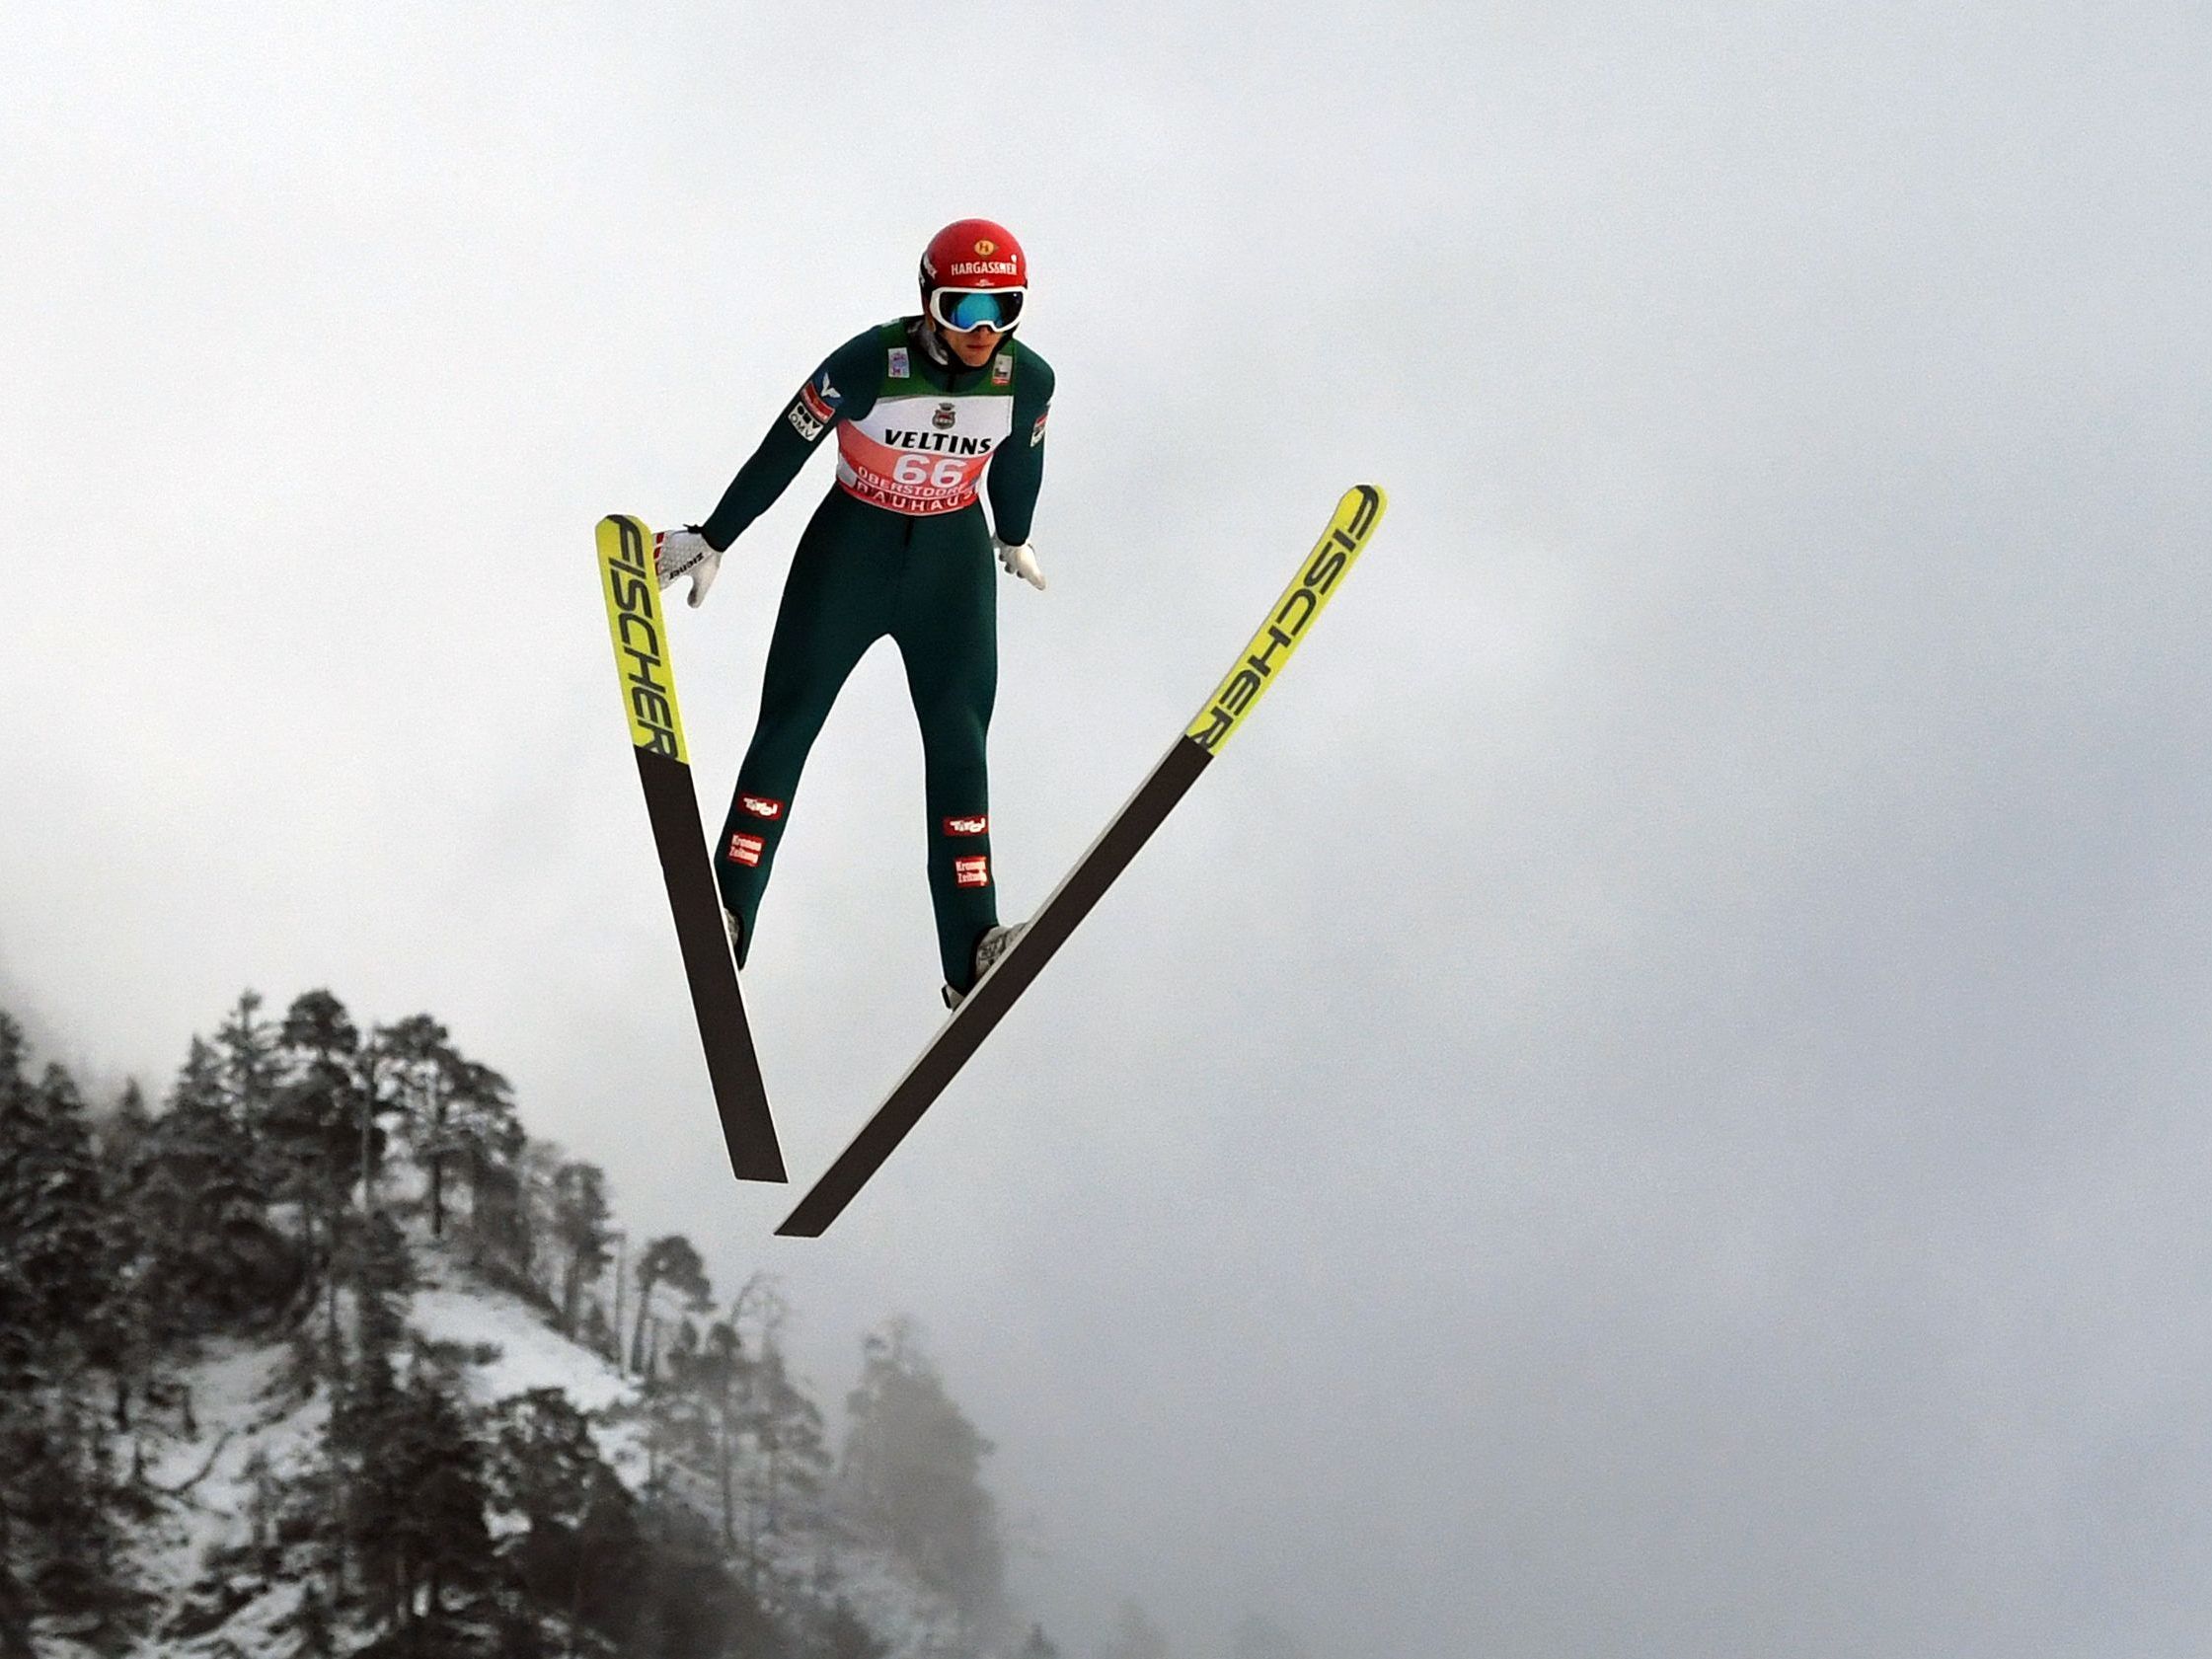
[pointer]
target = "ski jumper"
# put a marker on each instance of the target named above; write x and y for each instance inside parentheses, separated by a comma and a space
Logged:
(898, 546)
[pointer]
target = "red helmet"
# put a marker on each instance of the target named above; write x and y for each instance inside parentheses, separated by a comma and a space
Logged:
(972, 255)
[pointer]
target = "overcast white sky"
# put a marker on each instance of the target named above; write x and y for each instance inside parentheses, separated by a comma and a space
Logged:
(1654, 1101)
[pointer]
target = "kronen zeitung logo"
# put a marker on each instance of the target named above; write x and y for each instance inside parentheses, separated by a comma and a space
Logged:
(652, 709)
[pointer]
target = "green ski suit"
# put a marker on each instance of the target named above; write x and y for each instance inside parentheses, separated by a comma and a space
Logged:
(898, 546)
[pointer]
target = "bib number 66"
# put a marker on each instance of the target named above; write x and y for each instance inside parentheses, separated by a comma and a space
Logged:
(944, 474)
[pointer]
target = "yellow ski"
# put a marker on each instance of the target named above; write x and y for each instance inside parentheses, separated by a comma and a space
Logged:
(639, 627)
(1323, 569)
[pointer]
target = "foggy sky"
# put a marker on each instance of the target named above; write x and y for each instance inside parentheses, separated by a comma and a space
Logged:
(1655, 1100)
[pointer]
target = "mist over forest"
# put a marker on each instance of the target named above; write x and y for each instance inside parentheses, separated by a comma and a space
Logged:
(1651, 1105)
(319, 1352)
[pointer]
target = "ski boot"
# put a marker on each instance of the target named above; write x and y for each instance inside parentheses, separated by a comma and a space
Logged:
(995, 942)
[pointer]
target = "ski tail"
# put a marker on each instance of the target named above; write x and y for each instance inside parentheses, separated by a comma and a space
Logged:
(957, 1039)
(638, 624)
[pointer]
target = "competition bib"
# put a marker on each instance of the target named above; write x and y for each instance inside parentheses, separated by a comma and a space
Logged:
(921, 451)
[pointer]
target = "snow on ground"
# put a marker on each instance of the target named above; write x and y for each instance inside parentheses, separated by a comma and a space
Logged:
(242, 1412)
(531, 1353)
(208, 1480)
(453, 1306)
(916, 1623)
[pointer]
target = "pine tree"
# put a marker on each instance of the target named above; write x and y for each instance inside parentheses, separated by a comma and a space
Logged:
(782, 1423)
(459, 1113)
(722, 1379)
(317, 1125)
(597, 1333)
(673, 1262)
(57, 1545)
(365, 1417)
(580, 1225)
(419, 1061)
(213, 1259)
(249, 1068)
(689, 1606)
(482, 1129)
(787, 1426)
(914, 1464)
(541, 1459)
(500, 1237)
(125, 1130)
(443, 1541)
(17, 1346)
(536, 1171)
(50, 1206)
(119, 1331)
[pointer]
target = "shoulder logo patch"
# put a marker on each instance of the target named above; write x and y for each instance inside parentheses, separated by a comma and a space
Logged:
(898, 366)
(1002, 369)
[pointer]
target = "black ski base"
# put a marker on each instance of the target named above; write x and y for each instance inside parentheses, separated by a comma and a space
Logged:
(957, 1039)
(740, 1097)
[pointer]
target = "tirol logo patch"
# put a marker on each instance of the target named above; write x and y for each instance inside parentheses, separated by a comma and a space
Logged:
(1002, 369)
(980, 824)
(760, 806)
(1036, 432)
(944, 418)
(746, 849)
(972, 872)
(898, 368)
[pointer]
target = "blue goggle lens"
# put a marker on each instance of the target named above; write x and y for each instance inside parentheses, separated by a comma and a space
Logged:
(998, 307)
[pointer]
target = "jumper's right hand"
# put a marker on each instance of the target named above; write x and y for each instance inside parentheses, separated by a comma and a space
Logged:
(685, 552)
(1020, 559)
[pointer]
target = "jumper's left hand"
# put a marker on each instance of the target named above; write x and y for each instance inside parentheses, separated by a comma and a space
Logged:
(1020, 559)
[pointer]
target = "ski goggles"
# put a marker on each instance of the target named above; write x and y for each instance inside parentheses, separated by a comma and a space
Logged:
(962, 309)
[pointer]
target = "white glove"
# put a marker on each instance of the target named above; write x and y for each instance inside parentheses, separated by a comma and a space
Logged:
(1020, 559)
(681, 553)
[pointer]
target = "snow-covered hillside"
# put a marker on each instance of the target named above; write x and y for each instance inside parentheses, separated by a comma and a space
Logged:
(326, 1357)
(252, 1428)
